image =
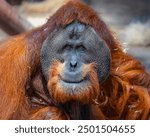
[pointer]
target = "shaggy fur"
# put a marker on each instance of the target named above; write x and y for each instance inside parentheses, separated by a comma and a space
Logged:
(24, 93)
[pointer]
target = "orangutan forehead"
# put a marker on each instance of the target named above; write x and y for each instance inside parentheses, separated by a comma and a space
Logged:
(76, 28)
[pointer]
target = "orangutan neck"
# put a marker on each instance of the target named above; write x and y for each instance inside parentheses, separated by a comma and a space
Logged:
(77, 111)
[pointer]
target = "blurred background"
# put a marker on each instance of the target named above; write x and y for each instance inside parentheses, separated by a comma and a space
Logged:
(128, 19)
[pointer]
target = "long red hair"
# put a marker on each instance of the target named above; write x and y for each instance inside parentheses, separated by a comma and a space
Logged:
(124, 95)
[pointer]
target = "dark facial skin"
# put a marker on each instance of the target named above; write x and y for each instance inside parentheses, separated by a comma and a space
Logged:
(75, 45)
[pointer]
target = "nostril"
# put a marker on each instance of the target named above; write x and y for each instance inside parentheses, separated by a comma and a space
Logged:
(73, 64)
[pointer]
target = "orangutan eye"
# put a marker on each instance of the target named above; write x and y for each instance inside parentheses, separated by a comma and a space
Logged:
(81, 48)
(66, 47)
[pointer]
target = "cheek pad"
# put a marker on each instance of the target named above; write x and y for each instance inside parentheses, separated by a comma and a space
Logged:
(47, 56)
(46, 59)
(103, 60)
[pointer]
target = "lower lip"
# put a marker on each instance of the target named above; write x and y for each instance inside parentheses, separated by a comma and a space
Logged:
(72, 82)
(82, 83)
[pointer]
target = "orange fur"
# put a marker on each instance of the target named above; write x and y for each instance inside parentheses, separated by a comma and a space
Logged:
(124, 95)
(47, 113)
